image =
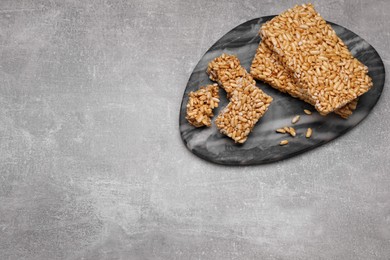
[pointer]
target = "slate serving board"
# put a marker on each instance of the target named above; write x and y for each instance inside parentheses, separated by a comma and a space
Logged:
(262, 145)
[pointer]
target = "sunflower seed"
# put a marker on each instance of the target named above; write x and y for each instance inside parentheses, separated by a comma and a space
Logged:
(283, 142)
(309, 132)
(292, 132)
(295, 119)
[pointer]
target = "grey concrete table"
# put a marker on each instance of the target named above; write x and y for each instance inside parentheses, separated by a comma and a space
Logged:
(93, 167)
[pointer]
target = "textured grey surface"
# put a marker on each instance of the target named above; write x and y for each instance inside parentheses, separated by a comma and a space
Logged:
(93, 167)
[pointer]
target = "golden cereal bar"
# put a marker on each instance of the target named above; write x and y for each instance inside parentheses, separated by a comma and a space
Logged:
(247, 104)
(267, 67)
(228, 72)
(201, 104)
(317, 58)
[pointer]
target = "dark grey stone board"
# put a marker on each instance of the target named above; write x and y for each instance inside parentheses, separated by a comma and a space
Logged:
(262, 145)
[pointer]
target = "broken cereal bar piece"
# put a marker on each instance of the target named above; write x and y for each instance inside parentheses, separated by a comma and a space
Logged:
(239, 117)
(247, 104)
(228, 72)
(201, 104)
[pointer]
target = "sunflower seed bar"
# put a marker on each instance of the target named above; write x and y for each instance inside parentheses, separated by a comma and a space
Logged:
(247, 104)
(201, 104)
(267, 67)
(322, 65)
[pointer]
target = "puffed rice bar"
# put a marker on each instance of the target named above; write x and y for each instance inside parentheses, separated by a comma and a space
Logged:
(267, 67)
(201, 104)
(319, 60)
(247, 104)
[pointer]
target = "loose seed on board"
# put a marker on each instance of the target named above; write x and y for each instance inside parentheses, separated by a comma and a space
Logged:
(283, 142)
(309, 132)
(295, 119)
(292, 132)
(307, 112)
(281, 131)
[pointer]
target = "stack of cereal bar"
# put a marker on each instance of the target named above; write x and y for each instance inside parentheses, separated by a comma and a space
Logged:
(300, 54)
